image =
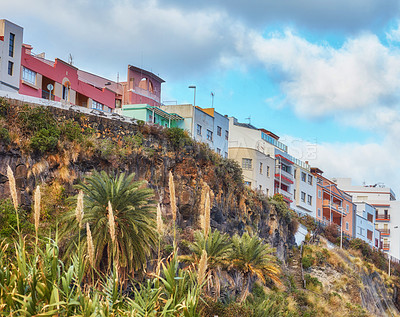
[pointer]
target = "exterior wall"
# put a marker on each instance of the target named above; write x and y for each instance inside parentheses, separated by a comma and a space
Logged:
(58, 74)
(147, 114)
(258, 177)
(309, 188)
(142, 87)
(10, 82)
(387, 216)
(334, 205)
(365, 222)
(220, 122)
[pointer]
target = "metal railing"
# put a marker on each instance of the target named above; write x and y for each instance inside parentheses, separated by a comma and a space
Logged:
(384, 231)
(46, 94)
(382, 217)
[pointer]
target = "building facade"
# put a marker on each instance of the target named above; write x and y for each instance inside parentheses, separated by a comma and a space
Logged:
(152, 115)
(204, 125)
(387, 211)
(11, 38)
(365, 224)
(334, 205)
(304, 193)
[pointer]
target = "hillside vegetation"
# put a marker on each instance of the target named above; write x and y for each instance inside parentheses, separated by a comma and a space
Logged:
(103, 218)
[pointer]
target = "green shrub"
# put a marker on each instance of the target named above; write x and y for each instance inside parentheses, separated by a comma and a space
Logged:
(5, 135)
(45, 140)
(4, 108)
(307, 261)
(34, 119)
(312, 280)
(71, 130)
(178, 137)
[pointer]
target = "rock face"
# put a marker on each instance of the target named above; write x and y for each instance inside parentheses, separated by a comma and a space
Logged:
(234, 207)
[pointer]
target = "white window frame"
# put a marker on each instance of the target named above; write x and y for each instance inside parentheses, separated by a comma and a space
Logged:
(97, 105)
(29, 76)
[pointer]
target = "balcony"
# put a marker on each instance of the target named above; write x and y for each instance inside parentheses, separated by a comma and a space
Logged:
(331, 205)
(286, 195)
(386, 246)
(283, 176)
(384, 232)
(382, 217)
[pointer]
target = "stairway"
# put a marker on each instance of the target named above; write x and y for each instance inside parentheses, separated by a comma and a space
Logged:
(294, 268)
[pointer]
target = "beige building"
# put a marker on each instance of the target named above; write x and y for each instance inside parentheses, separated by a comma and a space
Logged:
(258, 168)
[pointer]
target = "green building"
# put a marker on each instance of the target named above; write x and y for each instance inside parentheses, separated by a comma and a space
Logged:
(152, 114)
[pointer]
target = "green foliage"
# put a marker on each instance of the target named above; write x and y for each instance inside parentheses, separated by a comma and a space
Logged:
(133, 210)
(312, 281)
(230, 168)
(4, 107)
(5, 135)
(178, 137)
(307, 261)
(9, 219)
(34, 119)
(134, 141)
(45, 140)
(321, 257)
(71, 130)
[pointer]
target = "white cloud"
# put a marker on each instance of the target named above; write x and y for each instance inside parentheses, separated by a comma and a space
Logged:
(320, 80)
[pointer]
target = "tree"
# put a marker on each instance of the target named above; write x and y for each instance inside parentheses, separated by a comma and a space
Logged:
(218, 248)
(134, 220)
(252, 258)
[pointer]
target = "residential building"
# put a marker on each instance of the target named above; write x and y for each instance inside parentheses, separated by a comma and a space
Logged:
(246, 138)
(365, 224)
(142, 87)
(61, 81)
(334, 205)
(11, 37)
(204, 125)
(304, 193)
(387, 211)
(153, 115)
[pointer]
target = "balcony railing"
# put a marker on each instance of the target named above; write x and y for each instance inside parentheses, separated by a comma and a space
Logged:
(285, 194)
(384, 231)
(386, 246)
(332, 205)
(284, 174)
(382, 217)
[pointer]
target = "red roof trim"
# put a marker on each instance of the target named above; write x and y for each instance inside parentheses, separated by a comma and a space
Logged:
(2, 38)
(380, 205)
(278, 155)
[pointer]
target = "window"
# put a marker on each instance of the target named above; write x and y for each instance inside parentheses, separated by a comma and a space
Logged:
(261, 167)
(268, 171)
(219, 131)
(347, 226)
(11, 45)
(347, 209)
(246, 163)
(97, 105)
(219, 151)
(29, 76)
(226, 154)
(65, 92)
(303, 176)
(309, 179)
(209, 135)
(319, 193)
(370, 217)
(226, 135)
(319, 212)
(247, 183)
(319, 181)
(309, 200)
(10, 68)
(303, 197)
(369, 234)
(198, 129)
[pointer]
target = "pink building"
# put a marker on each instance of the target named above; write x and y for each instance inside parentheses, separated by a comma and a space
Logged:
(61, 81)
(142, 87)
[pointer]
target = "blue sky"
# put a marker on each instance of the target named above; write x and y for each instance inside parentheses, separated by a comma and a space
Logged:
(312, 71)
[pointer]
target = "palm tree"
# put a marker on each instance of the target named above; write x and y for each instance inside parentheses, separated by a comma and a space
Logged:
(252, 258)
(134, 221)
(218, 248)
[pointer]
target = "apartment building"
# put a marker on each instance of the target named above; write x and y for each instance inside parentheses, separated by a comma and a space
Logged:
(365, 225)
(334, 205)
(259, 152)
(387, 211)
(11, 37)
(304, 193)
(204, 125)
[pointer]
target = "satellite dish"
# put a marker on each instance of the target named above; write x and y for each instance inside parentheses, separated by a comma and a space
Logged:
(50, 87)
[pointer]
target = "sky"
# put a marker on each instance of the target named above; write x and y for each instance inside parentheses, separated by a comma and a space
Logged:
(323, 75)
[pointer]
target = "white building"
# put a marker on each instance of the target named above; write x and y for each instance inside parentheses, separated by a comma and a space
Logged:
(11, 36)
(387, 211)
(204, 125)
(265, 152)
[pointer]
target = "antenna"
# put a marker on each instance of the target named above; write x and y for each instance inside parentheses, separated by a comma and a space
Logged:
(212, 100)
(249, 118)
(117, 77)
(70, 59)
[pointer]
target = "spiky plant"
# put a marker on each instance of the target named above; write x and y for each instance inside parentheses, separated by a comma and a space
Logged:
(252, 258)
(132, 227)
